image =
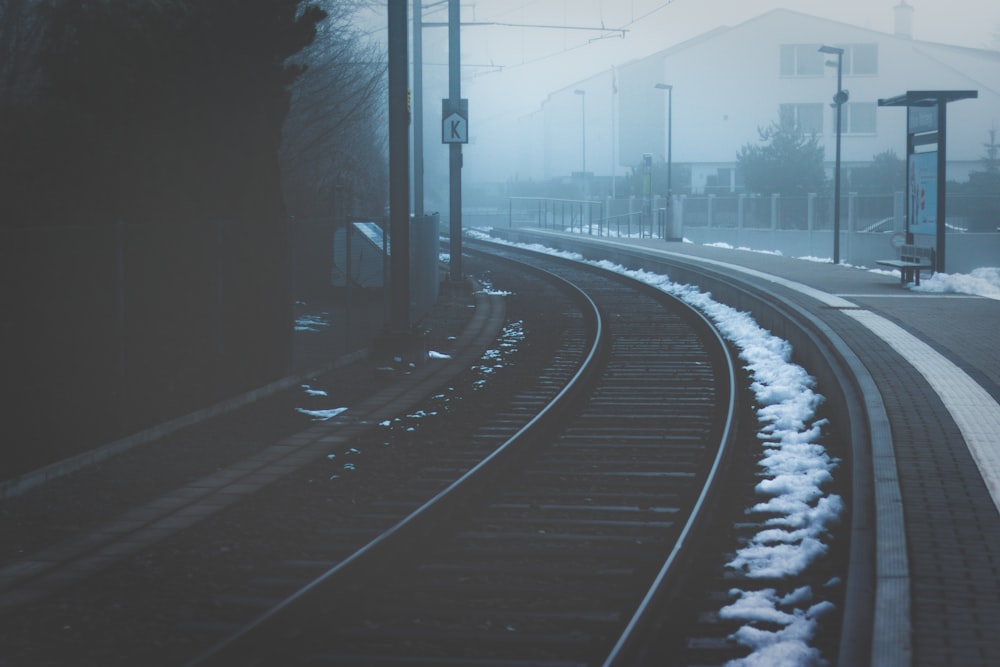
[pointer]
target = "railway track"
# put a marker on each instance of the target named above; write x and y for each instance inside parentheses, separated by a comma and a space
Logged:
(557, 546)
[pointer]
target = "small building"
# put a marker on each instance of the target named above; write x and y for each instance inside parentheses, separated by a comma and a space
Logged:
(731, 81)
(359, 260)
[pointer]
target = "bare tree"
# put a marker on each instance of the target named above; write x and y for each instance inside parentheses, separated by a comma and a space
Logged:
(334, 140)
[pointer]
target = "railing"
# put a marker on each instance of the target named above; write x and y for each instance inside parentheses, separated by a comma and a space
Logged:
(814, 212)
(611, 217)
(795, 226)
(636, 216)
(633, 217)
(566, 214)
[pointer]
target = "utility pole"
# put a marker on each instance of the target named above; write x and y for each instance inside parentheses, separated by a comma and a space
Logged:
(455, 148)
(399, 170)
(670, 159)
(418, 109)
(583, 140)
(838, 101)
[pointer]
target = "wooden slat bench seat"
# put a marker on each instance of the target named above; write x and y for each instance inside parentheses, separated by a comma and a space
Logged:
(912, 258)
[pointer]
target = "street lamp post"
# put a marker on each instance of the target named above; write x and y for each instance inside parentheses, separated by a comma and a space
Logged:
(583, 136)
(670, 146)
(838, 102)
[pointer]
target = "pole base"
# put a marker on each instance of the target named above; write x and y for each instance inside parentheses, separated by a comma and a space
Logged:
(460, 287)
(400, 350)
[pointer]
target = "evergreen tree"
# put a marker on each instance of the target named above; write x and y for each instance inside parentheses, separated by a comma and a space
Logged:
(165, 109)
(981, 193)
(886, 174)
(165, 116)
(991, 160)
(786, 161)
(987, 181)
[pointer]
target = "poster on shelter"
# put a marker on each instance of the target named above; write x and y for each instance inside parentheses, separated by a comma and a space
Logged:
(923, 193)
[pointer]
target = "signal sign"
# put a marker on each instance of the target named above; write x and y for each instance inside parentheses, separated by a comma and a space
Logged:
(455, 122)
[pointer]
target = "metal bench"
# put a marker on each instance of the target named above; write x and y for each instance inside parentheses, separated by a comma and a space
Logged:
(912, 258)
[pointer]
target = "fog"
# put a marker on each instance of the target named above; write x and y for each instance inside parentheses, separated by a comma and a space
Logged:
(517, 53)
(509, 70)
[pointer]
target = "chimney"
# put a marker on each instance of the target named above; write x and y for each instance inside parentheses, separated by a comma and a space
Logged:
(904, 20)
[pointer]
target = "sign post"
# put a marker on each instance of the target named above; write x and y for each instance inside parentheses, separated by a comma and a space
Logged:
(647, 188)
(455, 132)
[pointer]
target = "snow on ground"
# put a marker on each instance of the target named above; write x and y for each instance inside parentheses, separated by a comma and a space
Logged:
(727, 246)
(322, 415)
(311, 323)
(984, 282)
(795, 466)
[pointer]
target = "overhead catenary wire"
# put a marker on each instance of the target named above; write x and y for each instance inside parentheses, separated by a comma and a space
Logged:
(619, 31)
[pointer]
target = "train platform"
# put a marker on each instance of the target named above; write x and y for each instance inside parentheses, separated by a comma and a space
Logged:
(935, 361)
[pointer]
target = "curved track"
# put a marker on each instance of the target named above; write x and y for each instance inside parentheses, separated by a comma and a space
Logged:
(552, 549)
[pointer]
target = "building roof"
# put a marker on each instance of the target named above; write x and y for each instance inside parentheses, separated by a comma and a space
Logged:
(926, 98)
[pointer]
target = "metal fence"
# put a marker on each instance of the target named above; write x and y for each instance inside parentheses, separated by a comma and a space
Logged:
(796, 226)
(639, 217)
(806, 213)
(621, 217)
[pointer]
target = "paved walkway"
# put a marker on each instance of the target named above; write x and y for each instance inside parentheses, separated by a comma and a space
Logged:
(935, 359)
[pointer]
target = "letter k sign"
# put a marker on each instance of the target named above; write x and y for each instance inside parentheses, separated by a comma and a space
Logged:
(455, 129)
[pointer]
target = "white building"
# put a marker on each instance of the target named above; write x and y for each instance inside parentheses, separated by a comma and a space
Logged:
(732, 81)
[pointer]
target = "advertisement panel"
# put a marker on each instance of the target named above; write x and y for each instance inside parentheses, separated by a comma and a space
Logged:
(923, 193)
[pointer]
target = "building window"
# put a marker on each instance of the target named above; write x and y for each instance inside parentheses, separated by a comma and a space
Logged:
(858, 118)
(861, 117)
(807, 117)
(801, 60)
(858, 59)
(864, 59)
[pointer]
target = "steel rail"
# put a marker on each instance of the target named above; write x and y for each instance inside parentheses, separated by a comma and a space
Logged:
(255, 643)
(250, 642)
(633, 638)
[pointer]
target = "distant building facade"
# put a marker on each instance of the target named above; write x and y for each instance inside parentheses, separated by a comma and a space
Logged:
(732, 81)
